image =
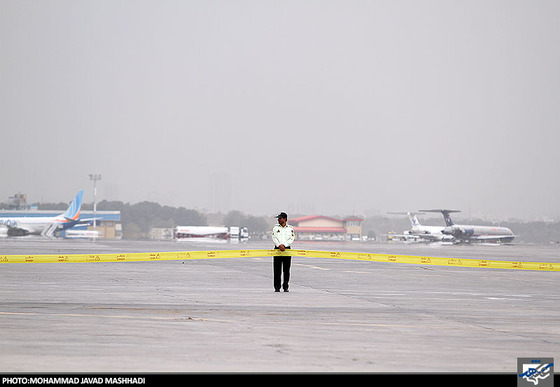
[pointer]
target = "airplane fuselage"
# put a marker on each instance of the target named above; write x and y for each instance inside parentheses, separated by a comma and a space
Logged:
(480, 233)
(426, 230)
(30, 224)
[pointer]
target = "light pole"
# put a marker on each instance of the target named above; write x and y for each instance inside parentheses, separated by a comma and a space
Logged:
(94, 178)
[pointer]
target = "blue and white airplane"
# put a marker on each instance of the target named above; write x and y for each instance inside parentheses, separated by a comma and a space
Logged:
(473, 233)
(46, 225)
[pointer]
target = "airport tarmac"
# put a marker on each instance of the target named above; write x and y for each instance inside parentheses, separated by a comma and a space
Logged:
(222, 315)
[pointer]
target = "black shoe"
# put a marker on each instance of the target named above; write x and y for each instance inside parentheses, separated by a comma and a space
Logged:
(277, 290)
(286, 290)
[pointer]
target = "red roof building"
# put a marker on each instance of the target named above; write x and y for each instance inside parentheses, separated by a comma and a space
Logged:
(318, 227)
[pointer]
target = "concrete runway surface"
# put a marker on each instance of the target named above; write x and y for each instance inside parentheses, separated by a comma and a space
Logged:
(222, 315)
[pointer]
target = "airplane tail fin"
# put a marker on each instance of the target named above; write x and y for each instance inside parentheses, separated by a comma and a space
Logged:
(413, 219)
(411, 215)
(73, 211)
(445, 213)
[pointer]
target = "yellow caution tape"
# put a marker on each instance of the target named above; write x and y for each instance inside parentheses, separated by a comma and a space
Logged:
(213, 254)
(437, 261)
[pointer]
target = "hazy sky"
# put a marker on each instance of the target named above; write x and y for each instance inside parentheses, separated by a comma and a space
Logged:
(324, 107)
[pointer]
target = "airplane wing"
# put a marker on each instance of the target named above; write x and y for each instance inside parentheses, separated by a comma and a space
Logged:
(85, 221)
(437, 238)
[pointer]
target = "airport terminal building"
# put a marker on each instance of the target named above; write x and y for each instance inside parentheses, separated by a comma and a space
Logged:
(318, 227)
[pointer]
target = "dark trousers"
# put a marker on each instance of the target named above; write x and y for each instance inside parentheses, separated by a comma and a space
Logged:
(281, 265)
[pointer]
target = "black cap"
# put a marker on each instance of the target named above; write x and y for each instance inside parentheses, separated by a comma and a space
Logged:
(282, 215)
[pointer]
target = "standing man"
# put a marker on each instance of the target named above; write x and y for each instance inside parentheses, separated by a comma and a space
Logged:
(282, 236)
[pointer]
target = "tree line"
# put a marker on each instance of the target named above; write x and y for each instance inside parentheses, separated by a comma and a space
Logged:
(138, 218)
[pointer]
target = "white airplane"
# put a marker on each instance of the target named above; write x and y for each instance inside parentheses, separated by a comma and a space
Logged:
(46, 225)
(469, 233)
(429, 233)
